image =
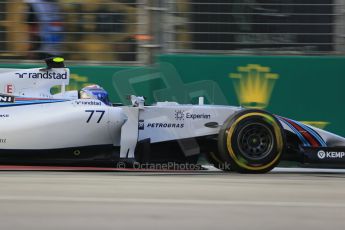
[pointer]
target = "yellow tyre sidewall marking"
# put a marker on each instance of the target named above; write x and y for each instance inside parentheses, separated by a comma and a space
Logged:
(278, 137)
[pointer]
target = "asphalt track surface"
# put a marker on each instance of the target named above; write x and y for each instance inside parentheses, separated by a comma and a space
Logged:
(283, 199)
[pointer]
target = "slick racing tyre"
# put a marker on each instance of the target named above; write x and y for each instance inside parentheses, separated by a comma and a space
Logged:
(211, 153)
(252, 141)
(216, 160)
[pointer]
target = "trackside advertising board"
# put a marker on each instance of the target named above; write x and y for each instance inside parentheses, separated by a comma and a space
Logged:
(308, 89)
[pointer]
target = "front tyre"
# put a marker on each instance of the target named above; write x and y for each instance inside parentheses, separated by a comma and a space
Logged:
(252, 141)
(215, 159)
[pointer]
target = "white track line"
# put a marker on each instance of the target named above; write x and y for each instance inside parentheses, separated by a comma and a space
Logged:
(173, 201)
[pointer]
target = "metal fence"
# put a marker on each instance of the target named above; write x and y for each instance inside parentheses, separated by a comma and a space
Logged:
(256, 26)
(131, 31)
(81, 30)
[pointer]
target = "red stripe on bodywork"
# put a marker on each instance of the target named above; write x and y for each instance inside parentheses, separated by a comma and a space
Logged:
(313, 142)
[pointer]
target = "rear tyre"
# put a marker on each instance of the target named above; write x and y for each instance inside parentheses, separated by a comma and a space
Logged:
(252, 141)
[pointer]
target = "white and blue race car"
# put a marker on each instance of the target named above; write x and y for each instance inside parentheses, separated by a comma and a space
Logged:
(83, 127)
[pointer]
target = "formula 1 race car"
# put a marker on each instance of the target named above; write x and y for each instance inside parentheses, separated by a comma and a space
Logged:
(82, 127)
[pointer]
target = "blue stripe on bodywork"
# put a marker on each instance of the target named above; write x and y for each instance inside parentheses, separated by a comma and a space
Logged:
(300, 136)
(33, 102)
(313, 133)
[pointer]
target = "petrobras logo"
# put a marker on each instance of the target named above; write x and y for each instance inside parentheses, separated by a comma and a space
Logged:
(330, 155)
(159, 125)
(141, 125)
(165, 125)
(42, 75)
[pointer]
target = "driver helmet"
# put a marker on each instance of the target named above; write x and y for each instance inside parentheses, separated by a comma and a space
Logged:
(95, 92)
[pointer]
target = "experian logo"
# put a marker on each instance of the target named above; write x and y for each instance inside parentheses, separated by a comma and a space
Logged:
(331, 155)
(180, 115)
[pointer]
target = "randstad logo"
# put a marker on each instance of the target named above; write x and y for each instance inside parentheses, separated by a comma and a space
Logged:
(254, 85)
